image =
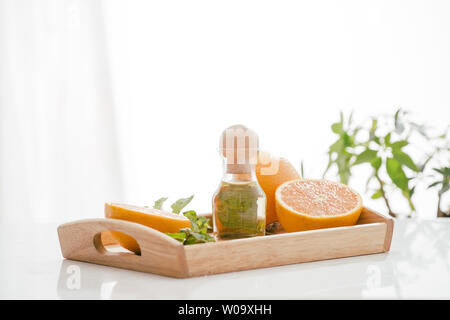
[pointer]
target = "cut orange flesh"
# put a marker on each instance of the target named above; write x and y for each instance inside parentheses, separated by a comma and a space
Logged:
(153, 218)
(307, 204)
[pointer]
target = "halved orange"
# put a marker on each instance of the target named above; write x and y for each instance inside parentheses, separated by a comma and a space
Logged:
(307, 204)
(271, 172)
(153, 218)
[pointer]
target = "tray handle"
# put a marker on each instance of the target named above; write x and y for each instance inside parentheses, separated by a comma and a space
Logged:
(81, 240)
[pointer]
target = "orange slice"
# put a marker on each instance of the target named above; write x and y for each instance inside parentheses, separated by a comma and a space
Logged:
(306, 204)
(153, 218)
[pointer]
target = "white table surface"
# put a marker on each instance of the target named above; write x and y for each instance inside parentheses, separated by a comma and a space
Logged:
(418, 266)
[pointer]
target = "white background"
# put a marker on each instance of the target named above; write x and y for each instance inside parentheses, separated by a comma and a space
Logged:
(157, 81)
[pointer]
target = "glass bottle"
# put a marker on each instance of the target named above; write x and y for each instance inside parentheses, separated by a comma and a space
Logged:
(239, 203)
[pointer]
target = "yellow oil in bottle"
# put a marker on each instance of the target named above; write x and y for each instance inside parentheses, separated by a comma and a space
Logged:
(239, 210)
(239, 203)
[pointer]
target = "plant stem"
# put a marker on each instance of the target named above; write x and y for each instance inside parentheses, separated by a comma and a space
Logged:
(383, 195)
(440, 214)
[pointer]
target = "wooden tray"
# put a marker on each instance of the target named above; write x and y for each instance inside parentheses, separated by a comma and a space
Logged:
(83, 241)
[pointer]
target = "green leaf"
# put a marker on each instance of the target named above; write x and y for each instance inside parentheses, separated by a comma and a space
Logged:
(434, 184)
(387, 139)
(377, 194)
(423, 165)
(330, 162)
(376, 140)
(397, 113)
(193, 237)
(374, 125)
(180, 236)
(336, 127)
(348, 141)
(355, 132)
(198, 233)
(441, 171)
(302, 173)
(399, 127)
(365, 156)
(200, 237)
(376, 163)
(407, 194)
(199, 224)
(342, 163)
(396, 173)
(404, 159)
(178, 205)
(350, 118)
(444, 189)
(411, 192)
(191, 215)
(159, 203)
(373, 129)
(399, 144)
(337, 146)
(444, 134)
(420, 128)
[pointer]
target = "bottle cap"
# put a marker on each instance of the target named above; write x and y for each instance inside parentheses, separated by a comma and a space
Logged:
(239, 147)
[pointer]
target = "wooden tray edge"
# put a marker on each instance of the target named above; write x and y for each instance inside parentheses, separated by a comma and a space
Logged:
(180, 252)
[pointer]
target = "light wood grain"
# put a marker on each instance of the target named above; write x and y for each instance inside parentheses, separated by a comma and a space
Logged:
(85, 240)
(81, 240)
(389, 233)
(287, 248)
(370, 216)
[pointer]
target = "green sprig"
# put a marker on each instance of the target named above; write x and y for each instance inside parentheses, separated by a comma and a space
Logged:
(198, 233)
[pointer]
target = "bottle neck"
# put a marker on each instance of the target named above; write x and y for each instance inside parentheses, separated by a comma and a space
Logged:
(239, 173)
